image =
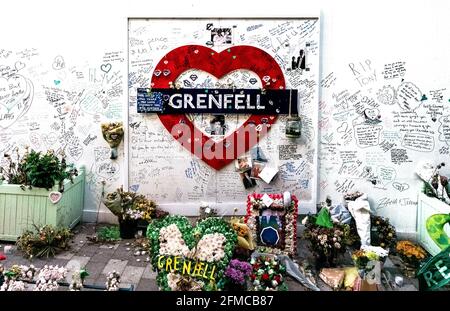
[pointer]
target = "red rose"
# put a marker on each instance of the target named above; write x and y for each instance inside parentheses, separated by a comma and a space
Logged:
(2, 257)
(255, 266)
(265, 276)
(278, 279)
(253, 276)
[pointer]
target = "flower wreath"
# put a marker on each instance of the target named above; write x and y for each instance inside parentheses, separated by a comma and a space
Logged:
(190, 245)
(288, 235)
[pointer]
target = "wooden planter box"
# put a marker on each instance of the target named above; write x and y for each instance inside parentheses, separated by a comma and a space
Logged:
(428, 206)
(20, 209)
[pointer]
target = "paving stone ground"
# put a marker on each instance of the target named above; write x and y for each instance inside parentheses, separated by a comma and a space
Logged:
(136, 272)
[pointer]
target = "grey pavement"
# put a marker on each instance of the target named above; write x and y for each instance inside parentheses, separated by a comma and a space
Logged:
(100, 259)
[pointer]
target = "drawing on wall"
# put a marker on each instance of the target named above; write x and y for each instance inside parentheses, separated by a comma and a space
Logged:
(16, 96)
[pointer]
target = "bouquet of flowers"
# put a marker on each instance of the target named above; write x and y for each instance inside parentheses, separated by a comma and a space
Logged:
(361, 258)
(411, 253)
(130, 205)
(113, 133)
(268, 274)
(45, 241)
(12, 279)
(48, 278)
(326, 243)
(236, 275)
(382, 232)
(112, 281)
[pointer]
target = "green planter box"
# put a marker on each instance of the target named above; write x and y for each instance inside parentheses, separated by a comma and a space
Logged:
(20, 209)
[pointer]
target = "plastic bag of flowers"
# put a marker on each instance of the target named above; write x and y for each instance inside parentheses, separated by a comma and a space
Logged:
(268, 274)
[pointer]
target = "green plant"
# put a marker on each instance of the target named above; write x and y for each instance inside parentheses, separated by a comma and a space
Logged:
(428, 190)
(108, 234)
(13, 170)
(36, 169)
(45, 241)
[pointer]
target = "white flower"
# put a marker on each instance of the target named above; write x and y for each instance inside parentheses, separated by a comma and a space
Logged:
(256, 282)
(271, 271)
(274, 283)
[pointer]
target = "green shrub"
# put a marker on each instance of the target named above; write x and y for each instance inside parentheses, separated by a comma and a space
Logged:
(36, 169)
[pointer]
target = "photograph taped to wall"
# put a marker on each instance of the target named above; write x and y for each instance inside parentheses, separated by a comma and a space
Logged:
(243, 164)
(217, 125)
(221, 36)
(247, 181)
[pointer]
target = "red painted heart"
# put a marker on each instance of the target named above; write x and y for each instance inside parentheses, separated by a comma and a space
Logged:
(199, 57)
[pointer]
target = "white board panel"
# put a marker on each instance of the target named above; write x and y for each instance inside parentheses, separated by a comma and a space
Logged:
(178, 180)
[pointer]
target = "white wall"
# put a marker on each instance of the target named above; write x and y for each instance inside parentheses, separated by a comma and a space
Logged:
(85, 33)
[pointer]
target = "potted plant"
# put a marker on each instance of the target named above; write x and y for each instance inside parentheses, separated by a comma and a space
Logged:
(38, 189)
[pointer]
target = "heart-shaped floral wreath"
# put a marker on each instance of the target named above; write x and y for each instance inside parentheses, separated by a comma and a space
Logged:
(187, 257)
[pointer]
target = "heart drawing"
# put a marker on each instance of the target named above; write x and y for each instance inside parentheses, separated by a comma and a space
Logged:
(400, 186)
(219, 64)
(16, 96)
